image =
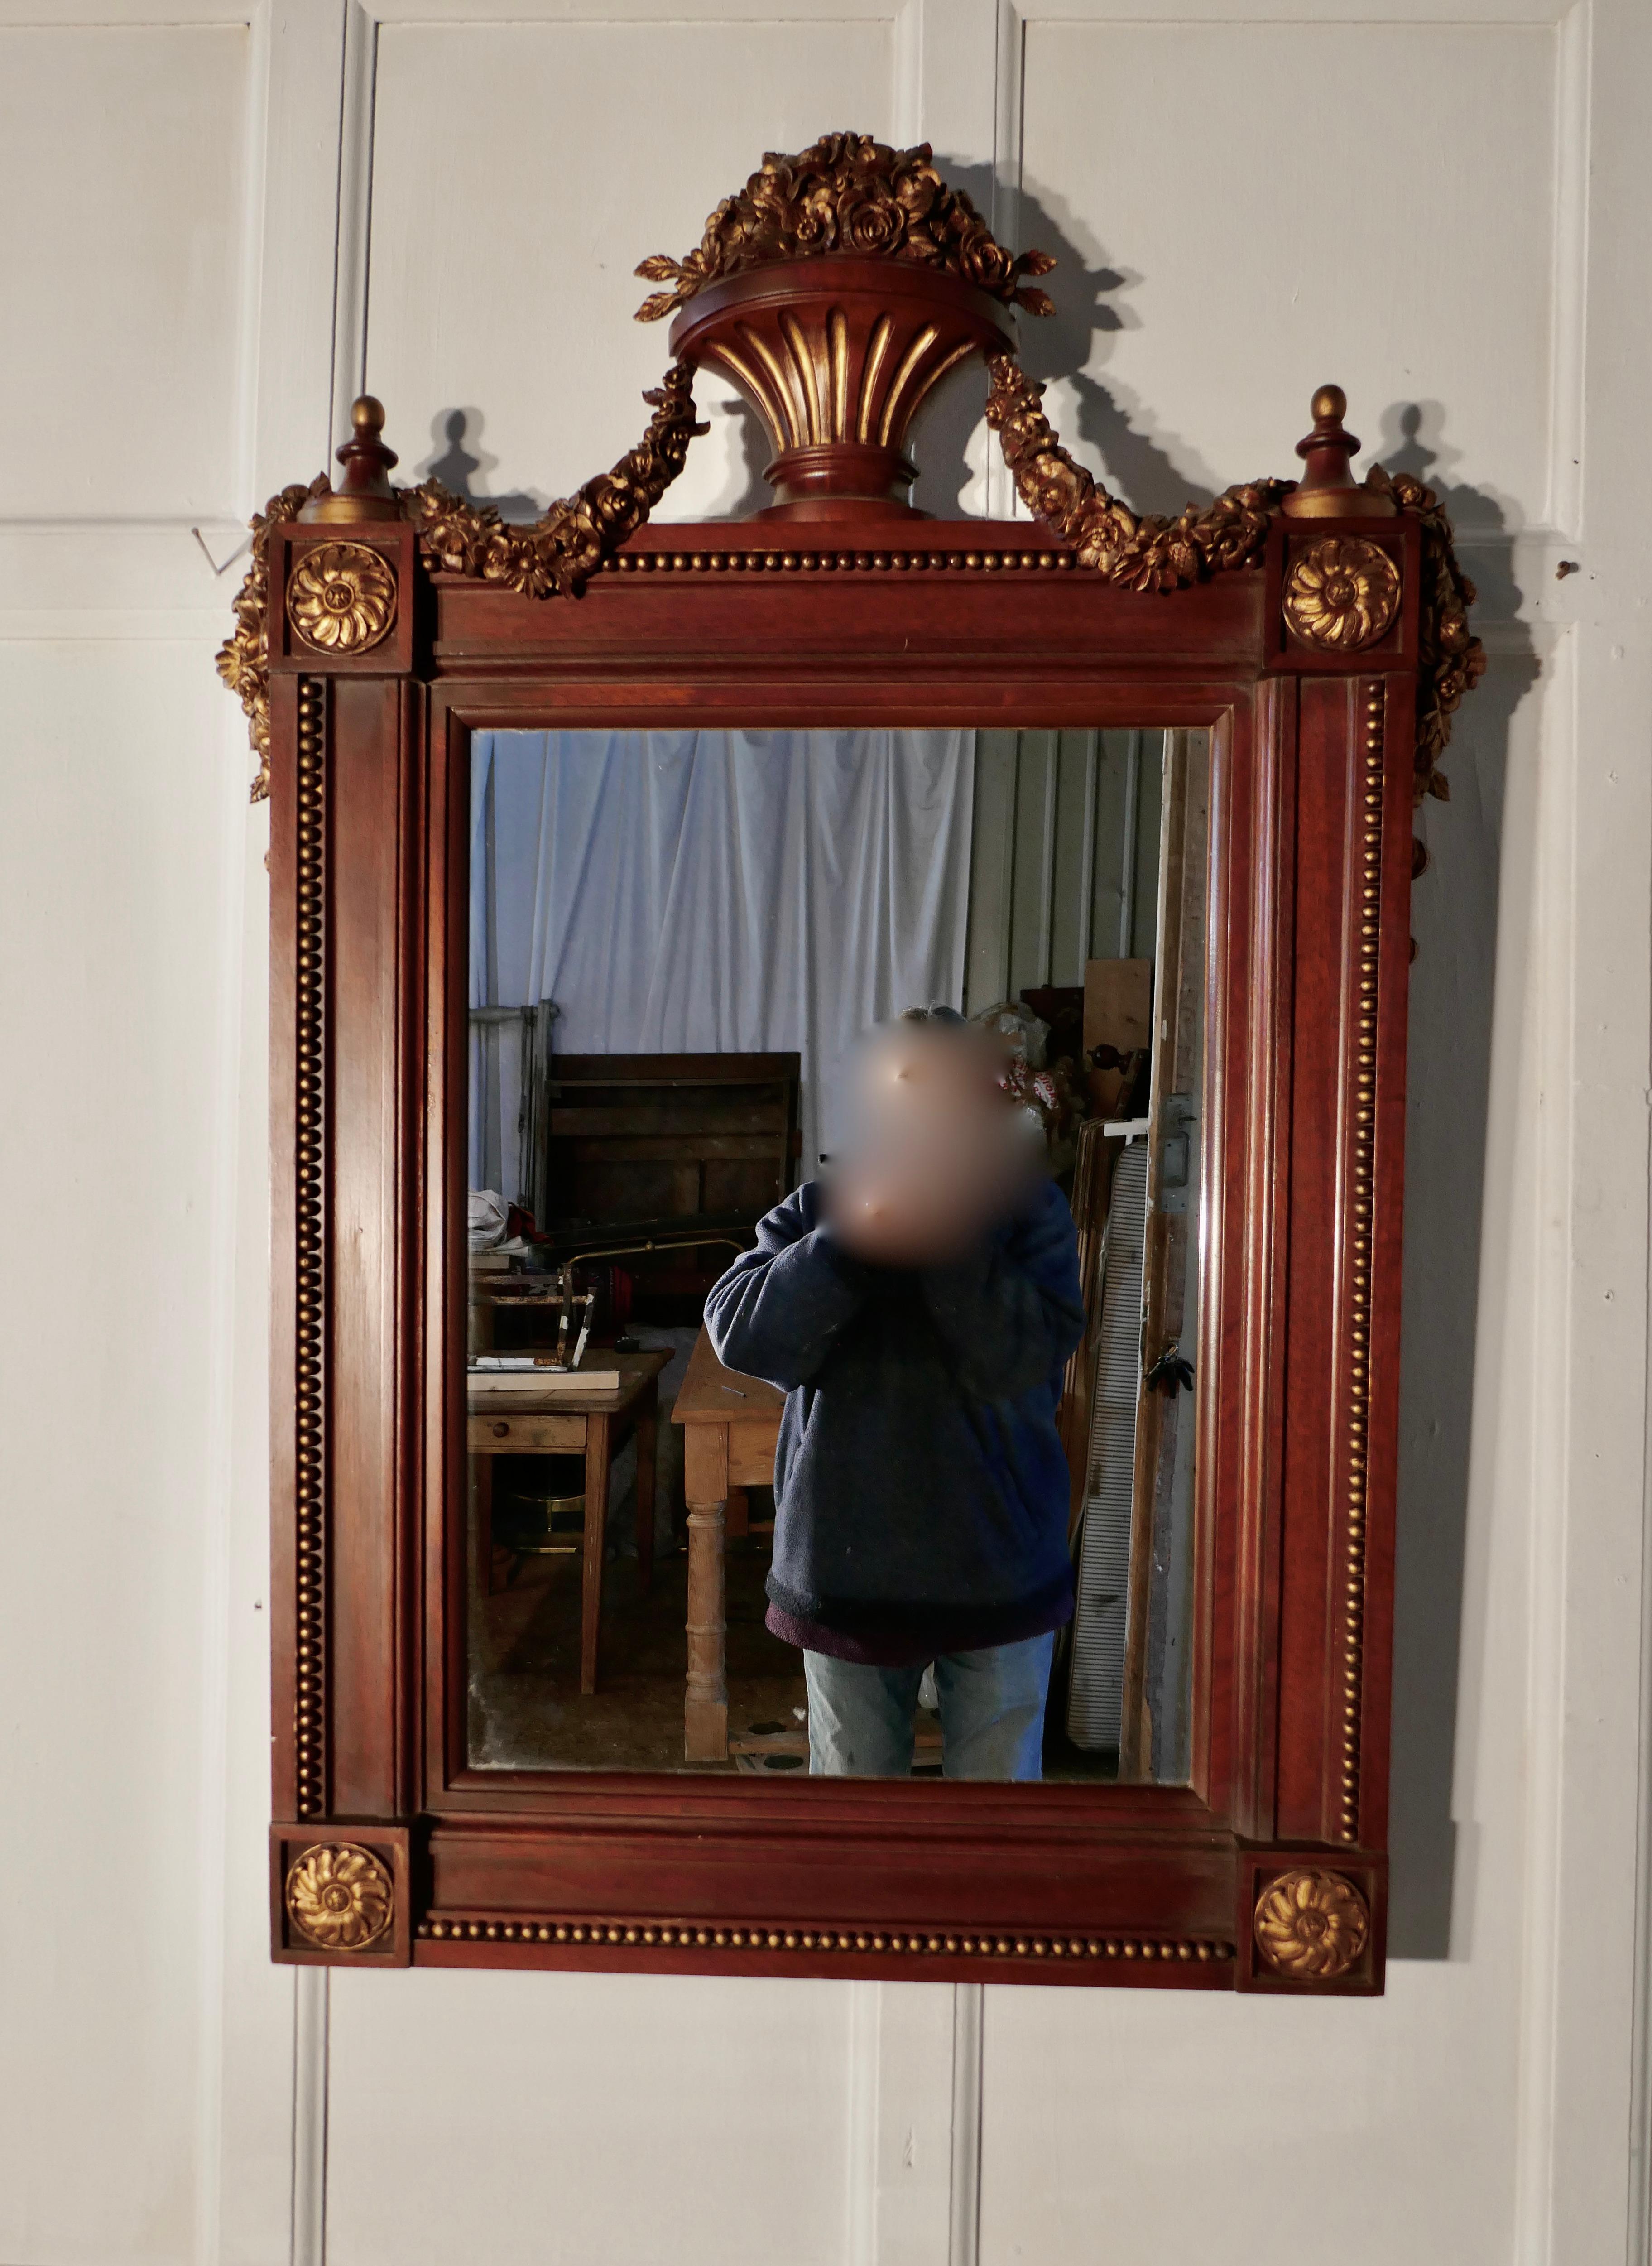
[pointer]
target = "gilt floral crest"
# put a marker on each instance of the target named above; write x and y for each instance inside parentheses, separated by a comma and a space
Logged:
(848, 194)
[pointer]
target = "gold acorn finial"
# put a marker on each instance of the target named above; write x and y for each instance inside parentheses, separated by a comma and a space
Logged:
(364, 493)
(1328, 489)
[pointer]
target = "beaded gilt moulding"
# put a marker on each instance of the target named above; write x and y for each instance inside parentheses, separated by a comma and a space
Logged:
(1318, 628)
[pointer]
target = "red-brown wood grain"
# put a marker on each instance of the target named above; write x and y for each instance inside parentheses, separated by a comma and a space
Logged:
(1118, 1884)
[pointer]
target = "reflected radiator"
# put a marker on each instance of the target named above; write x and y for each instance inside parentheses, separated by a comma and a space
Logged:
(1095, 1696)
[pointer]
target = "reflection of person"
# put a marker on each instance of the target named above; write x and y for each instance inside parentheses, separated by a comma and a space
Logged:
(918, 1310)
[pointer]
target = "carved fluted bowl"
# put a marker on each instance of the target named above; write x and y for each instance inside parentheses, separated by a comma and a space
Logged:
(836, 355)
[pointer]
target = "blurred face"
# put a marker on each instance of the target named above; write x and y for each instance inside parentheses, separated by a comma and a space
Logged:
(936, 1154)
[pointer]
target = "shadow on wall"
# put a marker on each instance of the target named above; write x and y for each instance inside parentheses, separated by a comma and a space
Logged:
(457, 467)
(745, 491)
(1149, 470)
(1050, 345)
(1448, 1132)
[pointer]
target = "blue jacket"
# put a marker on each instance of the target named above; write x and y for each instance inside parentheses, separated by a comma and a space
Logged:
(921, 1489)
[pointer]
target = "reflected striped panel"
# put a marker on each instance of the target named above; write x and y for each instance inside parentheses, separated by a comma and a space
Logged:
(1095, 1698)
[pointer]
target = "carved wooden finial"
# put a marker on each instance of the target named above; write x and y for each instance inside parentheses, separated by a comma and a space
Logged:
(1328, 489)
(365, 492)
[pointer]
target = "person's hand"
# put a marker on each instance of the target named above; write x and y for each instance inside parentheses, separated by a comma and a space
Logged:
(891, 1216)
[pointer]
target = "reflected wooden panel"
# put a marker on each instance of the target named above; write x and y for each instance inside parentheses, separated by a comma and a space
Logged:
(1158, 1664)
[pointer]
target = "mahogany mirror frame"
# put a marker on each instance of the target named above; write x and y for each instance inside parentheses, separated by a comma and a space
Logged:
(1326, 697)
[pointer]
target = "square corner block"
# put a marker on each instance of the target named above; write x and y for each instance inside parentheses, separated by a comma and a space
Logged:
(1344, 595)
(343, 599)
(341, 1895)
(1311, 1922)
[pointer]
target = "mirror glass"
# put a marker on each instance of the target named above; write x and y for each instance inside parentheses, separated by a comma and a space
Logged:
(697, 1121)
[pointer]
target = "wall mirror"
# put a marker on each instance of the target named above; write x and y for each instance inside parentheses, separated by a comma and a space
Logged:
(598, 844)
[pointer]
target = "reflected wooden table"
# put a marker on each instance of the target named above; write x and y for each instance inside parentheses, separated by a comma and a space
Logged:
(730, 1424)
(569, 1422)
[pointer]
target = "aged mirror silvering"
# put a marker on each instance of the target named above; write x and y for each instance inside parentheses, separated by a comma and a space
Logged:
(679, 944)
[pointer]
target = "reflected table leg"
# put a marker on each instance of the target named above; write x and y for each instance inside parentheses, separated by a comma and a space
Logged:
(598, 1451)
(646, 1449)
(705, 1707)
(483, 1467)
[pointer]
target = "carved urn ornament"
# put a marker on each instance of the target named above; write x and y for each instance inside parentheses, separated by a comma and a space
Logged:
(836, 291)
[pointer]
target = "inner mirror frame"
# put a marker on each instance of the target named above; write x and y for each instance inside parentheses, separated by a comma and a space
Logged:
(1323, 648)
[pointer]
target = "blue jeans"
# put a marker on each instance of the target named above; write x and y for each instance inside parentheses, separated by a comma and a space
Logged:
(991, 1712)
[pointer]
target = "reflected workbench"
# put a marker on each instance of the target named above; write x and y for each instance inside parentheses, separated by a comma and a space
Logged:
(591, 1424)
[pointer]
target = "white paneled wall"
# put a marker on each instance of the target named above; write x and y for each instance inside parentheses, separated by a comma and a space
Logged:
(729, 2101)
(217, 218)
(520, 172)
(92, 123)
(116, 863)
(1345, 176)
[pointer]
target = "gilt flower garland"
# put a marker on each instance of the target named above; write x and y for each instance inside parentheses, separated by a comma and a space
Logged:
(1139, 554)
(243, 660)
(559, 553)
(1450, 659)
(1149, 553)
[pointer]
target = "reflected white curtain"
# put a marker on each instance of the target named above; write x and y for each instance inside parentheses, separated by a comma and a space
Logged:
(712, 891)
